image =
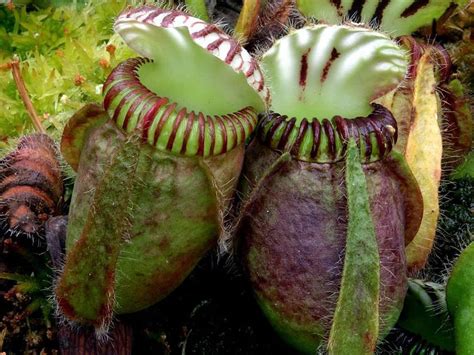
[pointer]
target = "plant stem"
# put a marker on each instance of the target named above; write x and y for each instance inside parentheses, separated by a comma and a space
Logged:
(248, 17)
(20, 84)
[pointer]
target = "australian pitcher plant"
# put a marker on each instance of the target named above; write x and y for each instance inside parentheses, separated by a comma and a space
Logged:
(338, 195)
(157, 165)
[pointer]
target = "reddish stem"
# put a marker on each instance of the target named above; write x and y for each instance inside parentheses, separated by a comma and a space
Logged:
(20, 84)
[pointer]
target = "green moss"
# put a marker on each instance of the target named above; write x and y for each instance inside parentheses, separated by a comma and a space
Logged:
(64, 61)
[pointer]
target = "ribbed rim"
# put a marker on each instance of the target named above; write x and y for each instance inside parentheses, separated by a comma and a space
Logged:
(325, 141)
(134, 107)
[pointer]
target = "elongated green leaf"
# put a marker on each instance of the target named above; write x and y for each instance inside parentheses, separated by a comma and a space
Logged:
(85, 291)
(356, 320)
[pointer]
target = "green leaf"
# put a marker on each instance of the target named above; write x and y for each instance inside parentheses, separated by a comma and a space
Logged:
(355, 325)
(460, 298)
(466, 169)
(198, 8)
(425, 314)
(85, 291)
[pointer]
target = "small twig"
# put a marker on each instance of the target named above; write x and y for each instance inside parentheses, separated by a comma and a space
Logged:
(20, 84)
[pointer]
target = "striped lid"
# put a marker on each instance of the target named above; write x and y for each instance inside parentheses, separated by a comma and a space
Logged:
(208, 36)
(394, 17)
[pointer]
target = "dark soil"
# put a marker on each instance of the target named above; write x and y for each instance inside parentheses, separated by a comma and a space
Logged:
(212, 312)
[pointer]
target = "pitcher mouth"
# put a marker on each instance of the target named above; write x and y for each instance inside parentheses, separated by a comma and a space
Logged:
(325, 140)
(167, 126)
